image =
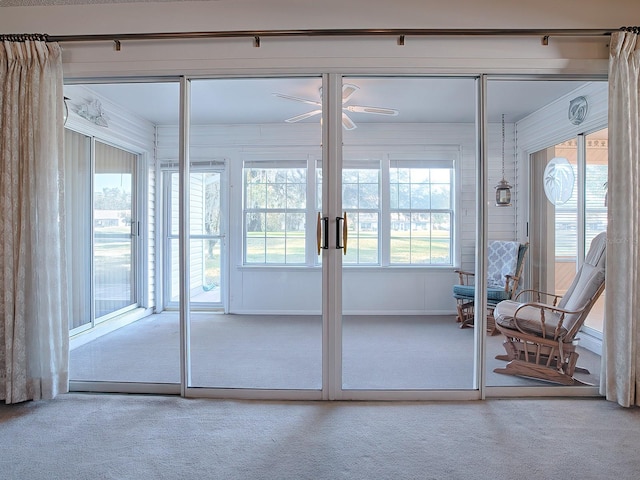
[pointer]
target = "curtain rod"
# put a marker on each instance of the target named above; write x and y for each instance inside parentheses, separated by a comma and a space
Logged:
(401, 33)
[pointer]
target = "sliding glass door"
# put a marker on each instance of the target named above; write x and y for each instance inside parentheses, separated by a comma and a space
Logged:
(115, 230)
(269, 335)
(401, 192)
(103, 229)
(299, 237)
(79, 227)
(114, 222)
(563, 155)
(596, 165)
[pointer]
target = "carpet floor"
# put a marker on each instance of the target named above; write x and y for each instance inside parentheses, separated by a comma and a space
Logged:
(285, 352)
(98, 436)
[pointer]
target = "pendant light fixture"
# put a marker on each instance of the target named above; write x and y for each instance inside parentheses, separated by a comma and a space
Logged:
(503, 189)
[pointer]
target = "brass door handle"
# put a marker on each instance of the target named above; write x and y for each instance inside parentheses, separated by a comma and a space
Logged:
(341, 243)
(319, 233)
(345, 235)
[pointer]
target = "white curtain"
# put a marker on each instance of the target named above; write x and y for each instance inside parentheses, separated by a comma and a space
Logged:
(34, 336)
(620, 379)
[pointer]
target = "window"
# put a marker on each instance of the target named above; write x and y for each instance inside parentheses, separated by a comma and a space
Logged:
(275, 203)
(361, 201)
(405, 221)
(420, 213)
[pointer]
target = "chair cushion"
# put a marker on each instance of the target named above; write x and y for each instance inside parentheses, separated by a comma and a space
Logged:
(587, 283)
(528, 319)
(467, 292)
(596, 256)
(502, 260)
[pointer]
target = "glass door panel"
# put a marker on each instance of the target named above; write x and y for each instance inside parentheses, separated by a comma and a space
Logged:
(596, 174)
(78, 227)
(401, 168)
(116, 213)
(566, 216)
(114, 229)
(566, 204)
(272, 336)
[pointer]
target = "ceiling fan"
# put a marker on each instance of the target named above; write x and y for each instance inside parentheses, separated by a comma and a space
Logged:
(348, 90)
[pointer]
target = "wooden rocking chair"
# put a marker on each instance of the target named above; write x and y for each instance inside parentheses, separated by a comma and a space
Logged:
(541, 337)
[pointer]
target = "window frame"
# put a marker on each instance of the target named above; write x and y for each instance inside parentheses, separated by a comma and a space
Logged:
(364, 162)
(422, 162)
(278, 162)
(446, 156)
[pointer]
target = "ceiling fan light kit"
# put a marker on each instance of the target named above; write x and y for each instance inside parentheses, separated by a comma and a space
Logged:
(348, 89)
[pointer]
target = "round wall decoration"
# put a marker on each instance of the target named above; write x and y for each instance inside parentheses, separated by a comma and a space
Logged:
(578, 108)
(558, 180)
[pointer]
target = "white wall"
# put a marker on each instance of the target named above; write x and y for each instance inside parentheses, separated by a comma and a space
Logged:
(101, 17)
(349, 55)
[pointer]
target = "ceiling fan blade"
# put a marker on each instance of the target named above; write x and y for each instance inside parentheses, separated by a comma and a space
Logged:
(348, 89)
(297, 118)
(297, 99)
(347, 123)
(375, 110)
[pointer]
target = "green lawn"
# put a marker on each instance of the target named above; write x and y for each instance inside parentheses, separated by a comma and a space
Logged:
(404, 248)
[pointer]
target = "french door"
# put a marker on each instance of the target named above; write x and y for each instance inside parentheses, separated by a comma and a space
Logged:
(342, 240)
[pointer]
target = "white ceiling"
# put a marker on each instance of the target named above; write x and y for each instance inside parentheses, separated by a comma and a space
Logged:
(251, 100)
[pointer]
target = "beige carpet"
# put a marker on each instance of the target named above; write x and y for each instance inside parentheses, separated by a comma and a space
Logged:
(80, 436)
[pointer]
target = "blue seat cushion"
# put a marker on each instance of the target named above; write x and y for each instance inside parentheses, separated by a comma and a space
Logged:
(467, 292)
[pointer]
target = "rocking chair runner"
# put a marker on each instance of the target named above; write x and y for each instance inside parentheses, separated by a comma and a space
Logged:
(540, 337)
(505, 263)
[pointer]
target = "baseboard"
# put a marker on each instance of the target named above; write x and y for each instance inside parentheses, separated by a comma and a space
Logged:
(590, 342)
(348, 312)
(108, 326)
